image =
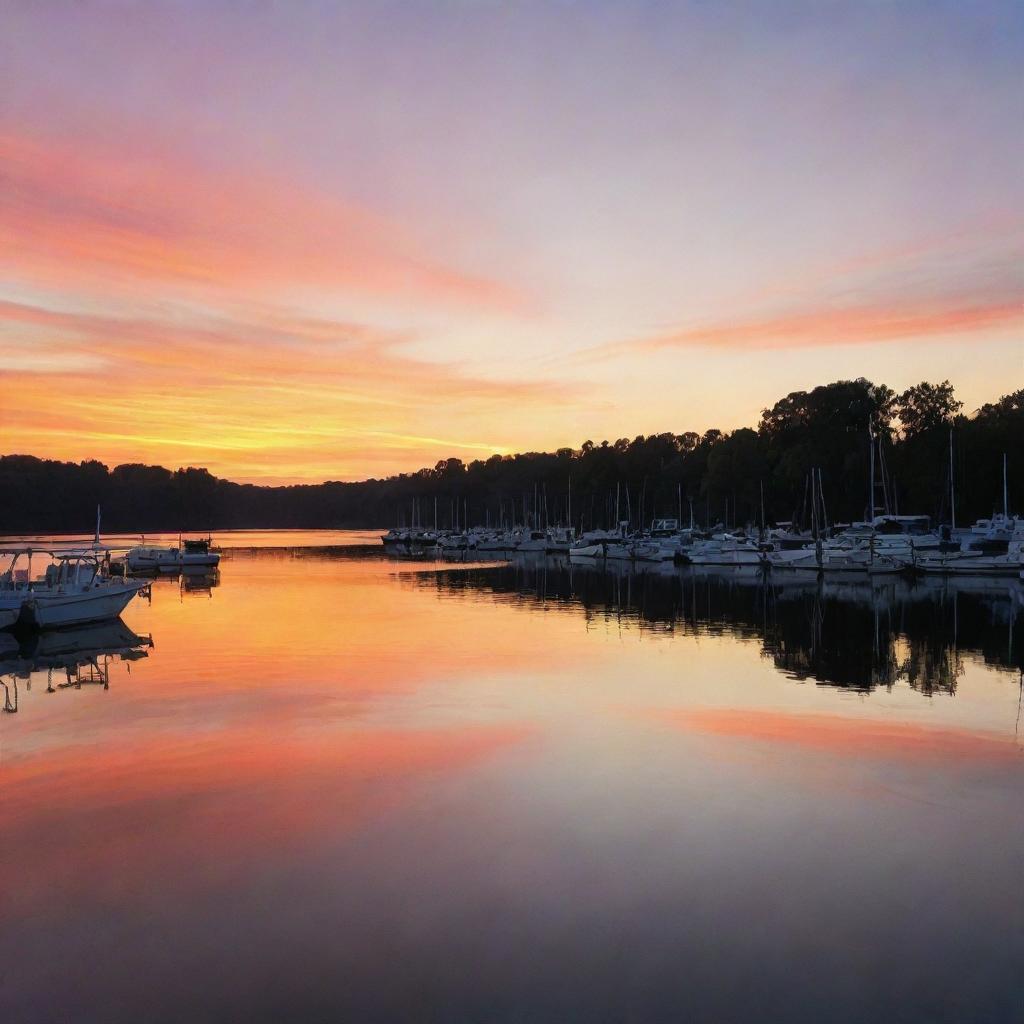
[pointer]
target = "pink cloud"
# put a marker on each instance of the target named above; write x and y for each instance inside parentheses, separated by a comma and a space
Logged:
(814, 328)
(78, 215)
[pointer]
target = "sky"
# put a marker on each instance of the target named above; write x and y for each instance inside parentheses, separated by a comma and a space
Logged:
(304, 241)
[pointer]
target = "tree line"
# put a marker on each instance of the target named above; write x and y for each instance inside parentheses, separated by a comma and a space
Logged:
(716, 476)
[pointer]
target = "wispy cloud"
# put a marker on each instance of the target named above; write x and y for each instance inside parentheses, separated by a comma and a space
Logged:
(257, 395)
(72, 214)
(967, 281)
(811, 328)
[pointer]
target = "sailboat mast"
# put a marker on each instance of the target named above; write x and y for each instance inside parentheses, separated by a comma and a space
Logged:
(871, 478)
(952, 486)
(1006, 502)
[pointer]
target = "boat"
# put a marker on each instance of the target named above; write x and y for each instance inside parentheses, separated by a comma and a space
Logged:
(582, 551)
(415, 536)
(664, 542)
(977, 561)
(189, 554)
(531, 540)
(594, 543)
(455, 542)
(560, 540)
(75, 588)
(725, 550)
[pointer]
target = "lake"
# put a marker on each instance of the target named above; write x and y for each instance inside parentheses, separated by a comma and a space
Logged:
(332, 786)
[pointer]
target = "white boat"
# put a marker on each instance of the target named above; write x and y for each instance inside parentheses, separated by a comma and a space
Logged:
(595, 544)
(560, 540)
(414, 536)
(992, 547)
(495, 540)
(152, 559)
(584, 552)
(968, 562)
(620, 550)
(725, 550)
(73, 590)
(531, 540)
(905, 537)
(664, 543)
(190, 554)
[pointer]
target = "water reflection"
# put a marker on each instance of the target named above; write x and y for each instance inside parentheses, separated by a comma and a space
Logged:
(355, 789)
(199, 581)
(70, 658)
(859, 635)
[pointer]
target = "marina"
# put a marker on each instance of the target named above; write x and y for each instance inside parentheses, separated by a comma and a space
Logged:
(888, 544)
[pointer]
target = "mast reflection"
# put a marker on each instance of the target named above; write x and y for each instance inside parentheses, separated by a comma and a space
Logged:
(858, 635)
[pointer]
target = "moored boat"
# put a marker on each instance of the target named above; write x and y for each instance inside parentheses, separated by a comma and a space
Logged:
(189, 554)
(73, 590)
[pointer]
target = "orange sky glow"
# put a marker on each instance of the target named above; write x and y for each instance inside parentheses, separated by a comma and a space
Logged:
(292, 266)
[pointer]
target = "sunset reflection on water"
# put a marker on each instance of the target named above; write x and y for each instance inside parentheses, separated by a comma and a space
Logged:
(350, 788)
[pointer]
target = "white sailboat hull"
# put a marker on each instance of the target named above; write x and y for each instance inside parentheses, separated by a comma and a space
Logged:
(725, 558)
(623, 552)
(979, 565)
(590, 551)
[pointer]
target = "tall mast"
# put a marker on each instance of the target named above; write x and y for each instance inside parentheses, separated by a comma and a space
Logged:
(871, 479)
(952, 486)
(1006, 503)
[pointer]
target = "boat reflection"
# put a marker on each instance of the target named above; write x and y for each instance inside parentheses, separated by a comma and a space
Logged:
(197, 581)
(200, 580)
(70, 658)
(855, 634)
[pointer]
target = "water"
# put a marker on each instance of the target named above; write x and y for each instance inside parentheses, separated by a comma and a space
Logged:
(339, 787)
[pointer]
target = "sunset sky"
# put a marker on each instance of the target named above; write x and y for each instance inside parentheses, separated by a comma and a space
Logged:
(305, 241)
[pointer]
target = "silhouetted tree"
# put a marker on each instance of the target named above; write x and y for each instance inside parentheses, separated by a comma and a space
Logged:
(655, 475)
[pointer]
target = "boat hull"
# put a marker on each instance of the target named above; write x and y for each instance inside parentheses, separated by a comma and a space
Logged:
(980, 566)
(168, 564)
(726, 558)
(588, 551)
(46, 611)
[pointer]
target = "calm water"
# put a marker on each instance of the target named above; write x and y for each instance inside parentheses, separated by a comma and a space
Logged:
(342, 788)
